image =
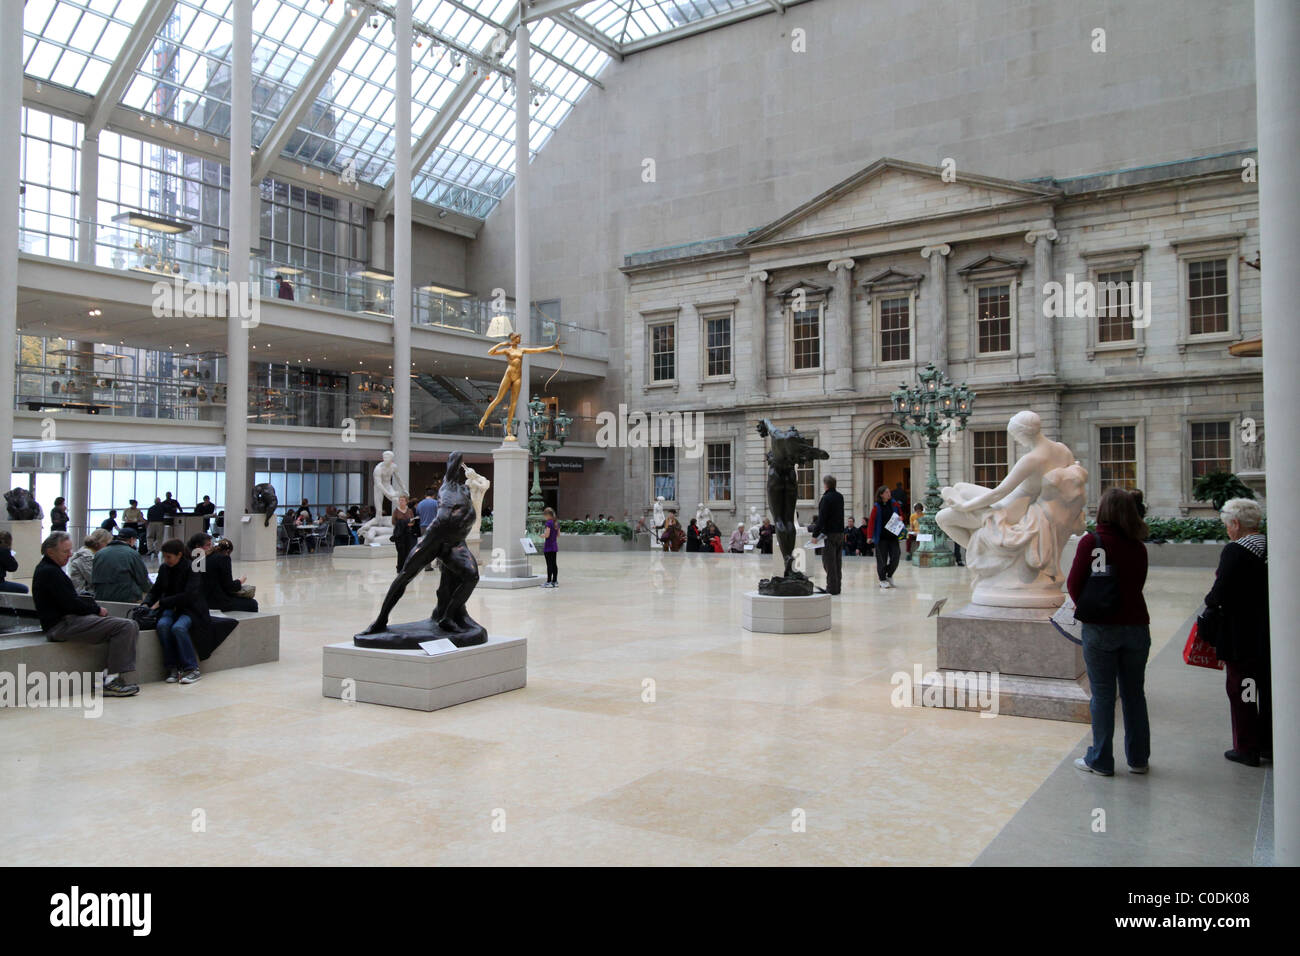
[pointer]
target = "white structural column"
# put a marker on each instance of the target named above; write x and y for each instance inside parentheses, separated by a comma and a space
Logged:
(839, 341)
(402, 284)
(1277, 84)
(523, 262)
(937, 328)
(241, 240)
(79, 491)
(88, 201)
(1044, 327)
(758, 329)
(11, 99)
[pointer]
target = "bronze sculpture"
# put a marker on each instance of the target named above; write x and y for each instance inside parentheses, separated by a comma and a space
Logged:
(265, 501)
(22, 506)
(444, 540)
(789, 449)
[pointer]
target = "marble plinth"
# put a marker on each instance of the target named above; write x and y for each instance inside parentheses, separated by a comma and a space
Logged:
(1040, 671)
(785, 615)
(254, 541)
(419, 681)
(507, 566)
(27, 544)
(367, 553)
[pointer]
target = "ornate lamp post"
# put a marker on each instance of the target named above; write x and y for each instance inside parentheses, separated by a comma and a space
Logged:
(546, 432)
(936, 409)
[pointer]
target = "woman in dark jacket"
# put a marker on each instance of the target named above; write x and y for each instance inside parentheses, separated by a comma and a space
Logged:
(1240, 593)
(186, 631)
(220, 586)
(1117, 637)
(765, 536)
(59, 515)
(693, 536)
(883, 541)
(406, 529)
(8, 565)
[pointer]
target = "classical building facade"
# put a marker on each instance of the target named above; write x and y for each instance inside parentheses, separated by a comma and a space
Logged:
(1106, 303)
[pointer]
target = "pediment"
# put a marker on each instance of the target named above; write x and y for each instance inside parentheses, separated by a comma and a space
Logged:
(811, 290)
(892, 278)
(991, 263)
(892, 191)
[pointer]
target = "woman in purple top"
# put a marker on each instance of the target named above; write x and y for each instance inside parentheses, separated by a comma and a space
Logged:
(550, 547)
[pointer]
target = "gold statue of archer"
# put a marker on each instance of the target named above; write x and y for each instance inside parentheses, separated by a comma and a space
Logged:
(512, 380)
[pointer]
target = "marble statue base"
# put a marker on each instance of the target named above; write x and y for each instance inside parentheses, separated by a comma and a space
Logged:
(796, 584)
(508, 567)
(27, 544)
(785, 615)
(256, 541)
(367, 554)
(411, 636)
(419, 681)
(1040, 671)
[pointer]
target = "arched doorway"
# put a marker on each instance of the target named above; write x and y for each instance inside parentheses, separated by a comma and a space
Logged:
(889, 462)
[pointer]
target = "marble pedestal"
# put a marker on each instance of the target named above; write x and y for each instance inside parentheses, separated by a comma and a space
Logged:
(785, 615)
(27, 545)
(255, 541)
(367, 554)
(420, 681)
(1040, 671)
(508, 567)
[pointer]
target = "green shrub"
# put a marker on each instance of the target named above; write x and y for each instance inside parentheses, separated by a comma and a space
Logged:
(1218, 486)
(619, 528)
(1181, 529)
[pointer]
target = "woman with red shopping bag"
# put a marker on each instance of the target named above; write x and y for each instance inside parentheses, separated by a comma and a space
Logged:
(1240, 596)
(1105, 583)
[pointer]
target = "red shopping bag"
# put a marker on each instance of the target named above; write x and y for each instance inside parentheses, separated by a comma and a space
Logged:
(1198, 653)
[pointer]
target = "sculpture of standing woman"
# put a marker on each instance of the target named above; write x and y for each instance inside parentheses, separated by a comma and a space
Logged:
(789, 449)
(512, 381)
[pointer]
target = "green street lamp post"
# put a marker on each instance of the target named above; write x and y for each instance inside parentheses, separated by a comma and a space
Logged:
(935, 409)
(546, 432)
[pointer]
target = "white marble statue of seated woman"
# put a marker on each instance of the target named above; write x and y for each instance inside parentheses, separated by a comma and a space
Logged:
(1014, 534)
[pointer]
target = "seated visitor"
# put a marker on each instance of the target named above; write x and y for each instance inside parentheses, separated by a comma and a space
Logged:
(221, 589)
(109, 524)
(672, 537)
(737, 542)
(118, 572)
(9, 564)
(68, 616)
(81, 565)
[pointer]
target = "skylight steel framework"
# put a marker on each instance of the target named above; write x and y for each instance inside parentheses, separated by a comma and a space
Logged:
(324, 77)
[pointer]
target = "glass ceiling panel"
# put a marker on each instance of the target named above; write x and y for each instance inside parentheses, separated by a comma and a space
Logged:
(74, 44)
(626, 21)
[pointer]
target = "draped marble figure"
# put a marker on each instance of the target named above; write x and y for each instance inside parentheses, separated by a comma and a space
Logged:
(1014, 534)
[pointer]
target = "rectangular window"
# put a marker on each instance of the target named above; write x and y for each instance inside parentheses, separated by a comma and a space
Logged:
(1114, 300)
(806, 338)
(1207, 296)
(717, 336)
(665, 472)
(806, 476)
(995, 319)
(1211, 447)
(718, 457)
(896, 329)
(992, 460)
(1117, 457)
(663, 354)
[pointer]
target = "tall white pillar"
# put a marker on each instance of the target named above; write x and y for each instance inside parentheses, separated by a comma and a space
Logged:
(79, 491)
(11, 99)
(840, 340)
(1044, 327)
(88, 201)
(523, 284)
(241, 241)
(758, 329)
(1277, 110)
(402, 246)
(937, 327)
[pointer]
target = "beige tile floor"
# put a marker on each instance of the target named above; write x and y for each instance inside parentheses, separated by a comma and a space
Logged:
(746, 734)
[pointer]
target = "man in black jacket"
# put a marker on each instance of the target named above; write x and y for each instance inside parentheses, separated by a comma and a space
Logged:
(830, 523)
(157, 518)
(67, 616)
(207, 509)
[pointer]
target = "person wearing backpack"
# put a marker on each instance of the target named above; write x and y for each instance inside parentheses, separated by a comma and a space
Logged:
(1105, 583)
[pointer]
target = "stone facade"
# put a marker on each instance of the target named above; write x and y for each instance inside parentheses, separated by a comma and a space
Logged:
(894, 268)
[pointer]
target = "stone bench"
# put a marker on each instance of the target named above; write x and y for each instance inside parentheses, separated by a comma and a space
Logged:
(255, 641)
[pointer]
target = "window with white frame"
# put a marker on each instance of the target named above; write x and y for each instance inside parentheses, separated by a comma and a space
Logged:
(894, 320)
(1207, 296)
(664, 470)
(993, 322)
(806, 338)
(717, 345)
(1211, 447)
(1117, 457)
(1116, 276)
(1207, 288)
(991, 456)
(717, 457)
(663, 351)
(1114, 306)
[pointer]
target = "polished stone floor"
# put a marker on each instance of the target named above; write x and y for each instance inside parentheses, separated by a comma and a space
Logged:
(653, 730)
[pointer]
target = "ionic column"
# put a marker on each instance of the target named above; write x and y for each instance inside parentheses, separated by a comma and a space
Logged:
(937, 326)
(758, 329)
(1044, 328)
(839, 338)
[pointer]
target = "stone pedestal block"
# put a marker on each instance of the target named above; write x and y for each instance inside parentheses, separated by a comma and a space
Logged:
(420, 681)
(256, 541)
(1040, 672)
(785, 615)
(508, 565)
(367, 554)
(27, 545)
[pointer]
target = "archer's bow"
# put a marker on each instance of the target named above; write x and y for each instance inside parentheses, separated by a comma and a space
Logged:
(547, 386)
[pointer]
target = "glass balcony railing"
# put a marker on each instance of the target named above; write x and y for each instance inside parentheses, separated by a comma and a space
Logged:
(61, 390)
(168, 257)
